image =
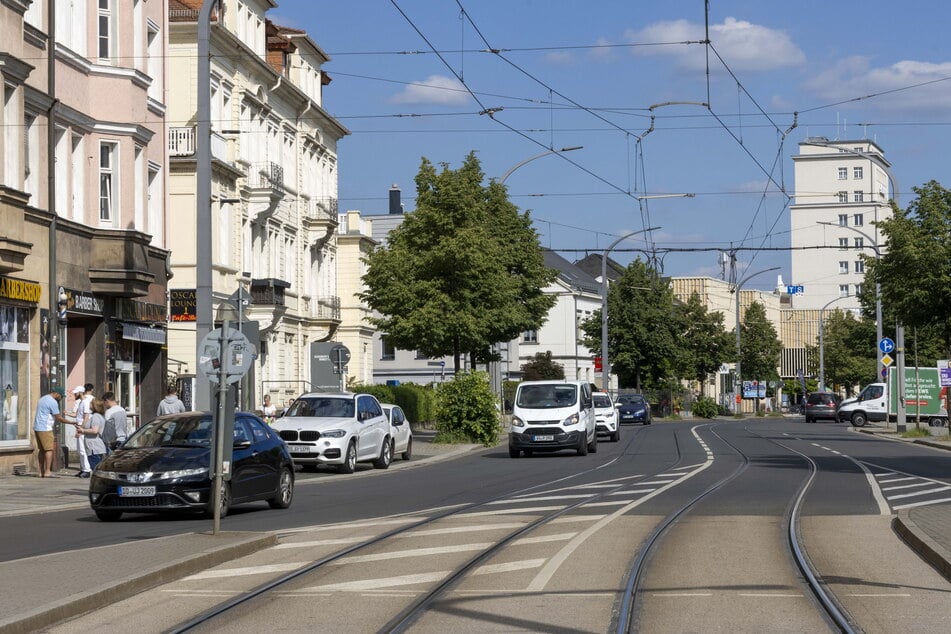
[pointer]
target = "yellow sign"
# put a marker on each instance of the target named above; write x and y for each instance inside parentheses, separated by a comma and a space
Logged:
(886, 360)
(20, 290)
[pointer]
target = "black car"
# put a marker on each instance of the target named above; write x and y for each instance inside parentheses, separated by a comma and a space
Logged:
(822, 405)
(164, 467)
(633, 408)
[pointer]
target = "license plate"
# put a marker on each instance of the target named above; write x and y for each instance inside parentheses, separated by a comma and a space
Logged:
(302, 449)
(543, 438)
(136, 492)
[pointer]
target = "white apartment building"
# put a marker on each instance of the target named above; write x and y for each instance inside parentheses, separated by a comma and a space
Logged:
(274, 190)
(841, 191)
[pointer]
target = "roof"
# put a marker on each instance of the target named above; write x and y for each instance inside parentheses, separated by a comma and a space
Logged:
(571, 274)
(591, 264)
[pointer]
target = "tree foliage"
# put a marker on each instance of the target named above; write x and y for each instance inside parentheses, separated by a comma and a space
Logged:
(463, 271)
(848, 346)
(760, 348)
(704, 342)
(465, 410)
(541, 367)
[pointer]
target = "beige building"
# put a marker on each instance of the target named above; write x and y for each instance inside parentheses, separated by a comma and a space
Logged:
(354, 242)
(274, 191)
(83, 259)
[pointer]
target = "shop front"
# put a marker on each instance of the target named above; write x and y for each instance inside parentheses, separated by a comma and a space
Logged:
(18, 307)
(135, 350)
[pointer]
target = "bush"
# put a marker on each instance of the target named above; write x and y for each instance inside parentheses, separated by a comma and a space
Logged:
(705, 408)
(417, 401)
(465, 408)
(383, 393)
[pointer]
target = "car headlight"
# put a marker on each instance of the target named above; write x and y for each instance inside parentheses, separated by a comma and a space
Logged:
(571, 420)
(333, 433)
(182, 473)
(517, 422)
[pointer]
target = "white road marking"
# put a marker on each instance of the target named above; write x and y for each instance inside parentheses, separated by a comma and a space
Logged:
(403, 554)
(908, 486)
(336, 527)
(924, 503)
(462, 529)
(917, 493)
(530, 509)
(365, 585)
(895, 480)
(769, 595)
(547, 498)
(512, 566)
(571, 519)
(245, 571)
(321, 542)
(543, 539)
(631, 491)
(894, 596)
(608, 503)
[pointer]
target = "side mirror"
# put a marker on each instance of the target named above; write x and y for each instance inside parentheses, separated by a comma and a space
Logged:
(241, 444)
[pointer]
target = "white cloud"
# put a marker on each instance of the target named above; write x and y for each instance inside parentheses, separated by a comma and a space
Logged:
(560, 58)
(604, 51)
(743, 45)
(436, 89)
(855, 77)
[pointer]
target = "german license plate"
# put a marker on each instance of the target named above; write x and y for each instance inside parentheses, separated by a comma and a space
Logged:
(301, 449)
(543, 438)
(136, 492)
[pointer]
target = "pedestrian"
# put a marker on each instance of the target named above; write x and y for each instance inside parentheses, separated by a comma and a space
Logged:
(44, 422)
(269, 410)
(81, 415)
(117, 422)
(171, 404)
(90, 432)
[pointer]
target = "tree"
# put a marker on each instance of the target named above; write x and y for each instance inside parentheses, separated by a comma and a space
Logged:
(760, 348)
(542, 366)
(463, 271)
(848, 350)
(704, 342)
(642, 338)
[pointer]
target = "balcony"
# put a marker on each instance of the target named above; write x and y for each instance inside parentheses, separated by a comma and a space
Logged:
(321, 221)
(265, 188)
(269, 291)
(181, 142)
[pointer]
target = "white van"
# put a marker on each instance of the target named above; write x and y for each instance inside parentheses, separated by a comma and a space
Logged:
(553, 415)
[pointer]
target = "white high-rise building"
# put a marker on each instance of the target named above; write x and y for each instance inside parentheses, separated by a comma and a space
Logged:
(842, 191)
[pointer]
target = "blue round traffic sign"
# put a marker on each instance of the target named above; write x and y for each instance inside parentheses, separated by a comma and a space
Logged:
(885, 372)
(886, 345)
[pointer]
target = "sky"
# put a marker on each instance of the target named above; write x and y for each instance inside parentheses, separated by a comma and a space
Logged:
(657, 113)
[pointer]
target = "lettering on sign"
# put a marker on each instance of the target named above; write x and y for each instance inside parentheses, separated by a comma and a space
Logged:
(20, 290)
(183, 304)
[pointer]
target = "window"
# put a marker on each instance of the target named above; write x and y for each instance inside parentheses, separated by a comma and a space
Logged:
(106, 34)
(389, 352)
(11, 137)
(860, 266)
(858, 149)
(859, 243)
(31, 158)
(843, 243)
(156, 226)
(858, 196)
(857, 173)
(858, 289)
(530, 336)
(108, 180)
(77, 166)
(843, 290)
(843, 267)
(843, 220)
(843, 173)
(138, 186)
(858, 220)
(154, 64)
(843, 197)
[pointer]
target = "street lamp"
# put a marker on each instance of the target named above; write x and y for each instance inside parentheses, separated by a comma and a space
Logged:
(538, 156)
(878, 288)
(605, 362)
(739, 376)
(822, 360)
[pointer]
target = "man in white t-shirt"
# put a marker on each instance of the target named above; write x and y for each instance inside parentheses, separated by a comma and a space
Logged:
(81, 413)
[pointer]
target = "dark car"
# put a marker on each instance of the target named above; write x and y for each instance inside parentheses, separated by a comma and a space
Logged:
(164, 467)
(821, 405)
(633, 408)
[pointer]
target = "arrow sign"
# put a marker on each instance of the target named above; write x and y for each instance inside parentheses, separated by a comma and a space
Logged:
(886, 345)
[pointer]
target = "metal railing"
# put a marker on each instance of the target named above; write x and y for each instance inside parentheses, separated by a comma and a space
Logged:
(181, 141)
(266, 175)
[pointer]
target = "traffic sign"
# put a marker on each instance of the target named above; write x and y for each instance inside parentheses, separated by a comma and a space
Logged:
(795, 289)
(230, 354)
(887, 360)
(886, 345)
(884, 371)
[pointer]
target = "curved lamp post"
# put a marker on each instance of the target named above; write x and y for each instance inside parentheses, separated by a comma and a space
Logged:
(739, 376)
(538, 156)
(822, 360)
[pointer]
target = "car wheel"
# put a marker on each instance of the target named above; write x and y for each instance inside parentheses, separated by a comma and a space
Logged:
(225, 505)
(408, 454)
(109, 516)
(858, 419)
(616, 436)
(285, 491)
(582, 444)
(593, 445)
(350, 459)
(386, 455)
(514, 453)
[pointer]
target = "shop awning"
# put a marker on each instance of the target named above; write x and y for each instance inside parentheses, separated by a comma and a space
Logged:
(134, 332)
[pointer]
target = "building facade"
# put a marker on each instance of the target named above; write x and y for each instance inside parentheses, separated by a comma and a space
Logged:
(274, 192)
(83, 259)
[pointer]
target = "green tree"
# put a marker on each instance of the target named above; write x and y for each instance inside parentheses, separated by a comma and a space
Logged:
(848, 350)
(463, 271)
(760, 348)
(642, 334)
(704, 342)
(542, 366)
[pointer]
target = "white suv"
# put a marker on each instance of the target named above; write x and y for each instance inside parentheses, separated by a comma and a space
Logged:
(606, 416)
(336, 429)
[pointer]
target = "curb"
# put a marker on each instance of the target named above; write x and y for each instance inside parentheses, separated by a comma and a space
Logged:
(928, 549)
(140, 581)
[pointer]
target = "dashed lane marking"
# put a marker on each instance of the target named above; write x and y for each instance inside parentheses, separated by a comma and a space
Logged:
(907, 486)
(917, 493)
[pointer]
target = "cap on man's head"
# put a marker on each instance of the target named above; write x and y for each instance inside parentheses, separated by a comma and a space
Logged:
(58, 390)
(79, 389)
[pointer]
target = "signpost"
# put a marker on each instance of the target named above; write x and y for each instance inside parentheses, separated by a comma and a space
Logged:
(225, 356)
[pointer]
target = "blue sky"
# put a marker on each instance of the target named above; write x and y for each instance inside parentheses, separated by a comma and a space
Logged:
(570, 73)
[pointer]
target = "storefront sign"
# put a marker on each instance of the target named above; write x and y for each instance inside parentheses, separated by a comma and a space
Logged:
(183, 304)
(83, 303)
(139, 311)
(133, 332)
(20, 290)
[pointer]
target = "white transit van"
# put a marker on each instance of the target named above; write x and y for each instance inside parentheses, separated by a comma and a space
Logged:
(553, 415)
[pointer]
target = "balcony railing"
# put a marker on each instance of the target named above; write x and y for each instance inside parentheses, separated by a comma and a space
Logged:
(266, 175)
(328, 308)
(181, 141)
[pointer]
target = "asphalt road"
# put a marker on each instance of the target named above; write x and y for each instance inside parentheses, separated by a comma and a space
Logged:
(724, 564)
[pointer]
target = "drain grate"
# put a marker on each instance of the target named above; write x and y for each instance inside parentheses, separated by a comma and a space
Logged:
(19, 469)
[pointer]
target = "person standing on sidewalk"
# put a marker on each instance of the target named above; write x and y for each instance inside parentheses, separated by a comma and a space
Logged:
(47, 415)
(171, 404)
(89, 432)
(117, 422)
(81, 414)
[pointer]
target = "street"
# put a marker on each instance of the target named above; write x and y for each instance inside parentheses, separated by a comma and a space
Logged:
(680, 526)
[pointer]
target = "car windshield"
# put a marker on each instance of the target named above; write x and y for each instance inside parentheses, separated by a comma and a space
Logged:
(186, 431)
(323, 407)
(547, 396)
(634, 399)
(602, 400)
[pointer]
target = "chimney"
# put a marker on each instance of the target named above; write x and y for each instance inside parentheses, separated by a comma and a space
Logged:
(396, 207)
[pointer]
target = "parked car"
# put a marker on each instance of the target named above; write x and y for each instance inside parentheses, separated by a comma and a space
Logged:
(633, 408)
(606, 416)
(822, 405)
(164, 466)
(339, 429)
(553, 415)
(400, 431)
